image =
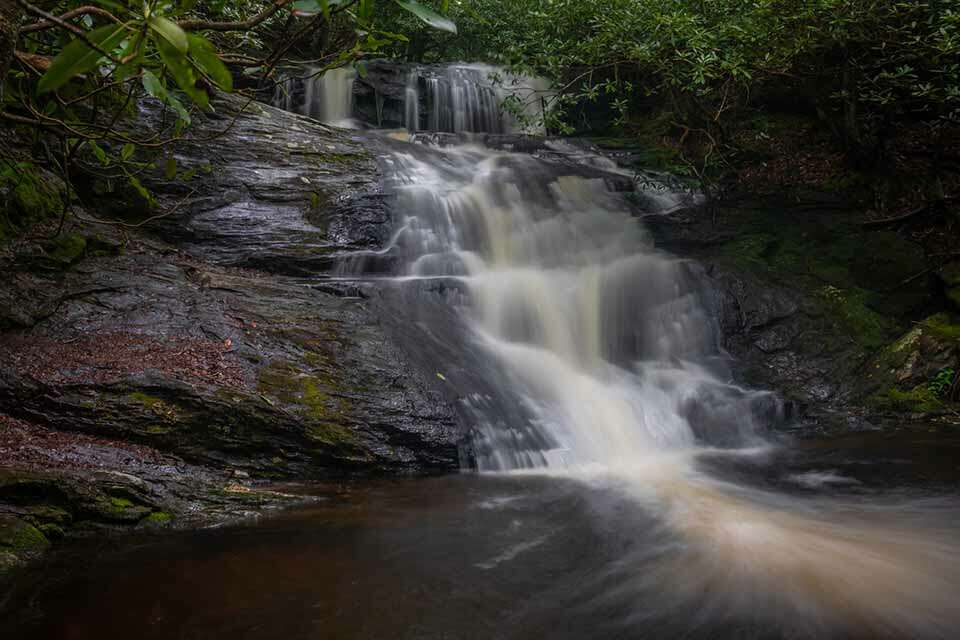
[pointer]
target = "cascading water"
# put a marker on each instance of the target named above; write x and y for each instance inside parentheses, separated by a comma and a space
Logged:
(472, 98)
(411, 102)
(459, 98)
(606, 345)
(604, 336)
(326, 96)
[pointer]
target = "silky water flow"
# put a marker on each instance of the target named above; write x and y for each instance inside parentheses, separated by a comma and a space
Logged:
(607, 346)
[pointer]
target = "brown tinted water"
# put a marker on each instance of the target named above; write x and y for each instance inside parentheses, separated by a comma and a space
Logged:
(531, 556)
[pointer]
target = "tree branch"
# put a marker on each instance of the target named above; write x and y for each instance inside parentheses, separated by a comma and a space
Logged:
(35, 61)
(69, 15)
(77, 31)
(246, 25)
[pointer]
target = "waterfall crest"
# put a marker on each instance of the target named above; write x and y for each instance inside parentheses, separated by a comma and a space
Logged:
(476, 98)
(456, 98)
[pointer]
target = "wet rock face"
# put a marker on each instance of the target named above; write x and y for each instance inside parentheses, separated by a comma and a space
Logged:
(777, 337)
(379, 96)
(825, 332)
(786, 329)
(208, 346)
(56, 483)
(270, 190)
(213, 335)
(258, 372)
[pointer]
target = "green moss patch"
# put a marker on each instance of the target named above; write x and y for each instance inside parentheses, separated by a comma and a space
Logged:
(120, 503)
(868, 327)
(920, 399)
(158, 518)
(854, 274)
(119, 509)
(20, 537)
(750, 251)
(66, 249)
(26, 198)
(325, 411)
(944, 326)
(161, 408)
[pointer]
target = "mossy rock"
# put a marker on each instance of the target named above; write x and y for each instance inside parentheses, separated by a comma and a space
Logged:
(20, 538)
(52, 531)
(850, 306)
(100, 246)
(119, 509)
(953, 295)
(950, 277)
(65, 249)
(750, 251)
(158, 519)
(47, 514)
(945, 327)
(117, 198)
(950, 274)
(920, 399)
(8, 561)
(854, 274)
(167, 412)
(27, 196)
(317, 397)
(911, 373)
(885, 259)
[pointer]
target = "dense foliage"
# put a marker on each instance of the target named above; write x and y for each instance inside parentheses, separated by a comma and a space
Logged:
(863, 65)
(75, 70)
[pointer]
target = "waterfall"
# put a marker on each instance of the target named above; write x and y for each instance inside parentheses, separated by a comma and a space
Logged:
(327, 96)
(605, 338)
(458, 98)
(608, 347)
(411, 102)
(473, 98)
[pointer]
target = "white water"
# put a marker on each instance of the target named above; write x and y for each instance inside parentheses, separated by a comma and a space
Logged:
(459, 98)
(327, 96)
(604, 336)
(474, 98)
(607, 344)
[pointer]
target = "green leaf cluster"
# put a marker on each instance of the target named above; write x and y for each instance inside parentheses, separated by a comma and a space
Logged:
(862, 64)
(176, 51)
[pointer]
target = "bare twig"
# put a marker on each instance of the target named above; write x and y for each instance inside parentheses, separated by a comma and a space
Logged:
(75, 30)
(134, 225)
(245, 25)
(932, 206)
(69, 15)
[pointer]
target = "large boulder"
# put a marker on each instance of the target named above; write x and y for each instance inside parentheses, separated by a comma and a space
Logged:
(211, 332)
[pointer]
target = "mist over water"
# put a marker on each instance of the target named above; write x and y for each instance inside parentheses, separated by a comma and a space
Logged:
(609, 347)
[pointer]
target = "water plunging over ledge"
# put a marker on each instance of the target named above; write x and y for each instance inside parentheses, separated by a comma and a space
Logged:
(605, 338)
(609, 348)
(326, 96)
(455, 98)
(629, 490)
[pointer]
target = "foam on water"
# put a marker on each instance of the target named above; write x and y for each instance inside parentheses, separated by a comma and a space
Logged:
(609, 347)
